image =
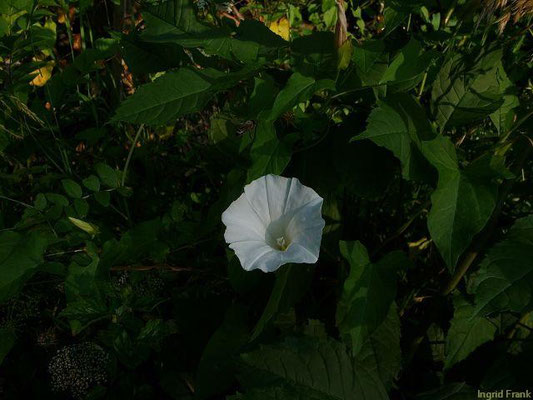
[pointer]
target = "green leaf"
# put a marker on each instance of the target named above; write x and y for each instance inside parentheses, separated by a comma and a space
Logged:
(320, 370)
(396, 124)
(174, 21)
(146, 57)
(463, 93)
(82, 207)
(269, 154)
(7, 340)
(381, 352)
(505, 279)
(461, 206)
(367, 53)
(452, 391)
(292, 281)
(407, 68)
(298, 89)
(174, 94)
(503, 117)
(20, 256)
(464, 198)
(72, 188)
(467, 332)
(315, 55)
(92, 183)
(369, 291)
(108, 175)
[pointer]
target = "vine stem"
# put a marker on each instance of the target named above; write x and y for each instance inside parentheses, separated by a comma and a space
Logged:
(130, 154)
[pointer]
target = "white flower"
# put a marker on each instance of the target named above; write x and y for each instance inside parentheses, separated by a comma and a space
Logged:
(275, 221)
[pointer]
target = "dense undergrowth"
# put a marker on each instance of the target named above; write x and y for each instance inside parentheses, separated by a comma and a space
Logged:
(127, 129)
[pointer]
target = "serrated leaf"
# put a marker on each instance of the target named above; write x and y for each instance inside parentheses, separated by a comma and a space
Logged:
(368, 292)
(467, 332)
(321, 370)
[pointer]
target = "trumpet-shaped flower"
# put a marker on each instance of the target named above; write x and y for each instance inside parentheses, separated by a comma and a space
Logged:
(275, 221)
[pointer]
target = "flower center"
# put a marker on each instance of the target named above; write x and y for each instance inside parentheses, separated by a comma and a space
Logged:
(283, 244)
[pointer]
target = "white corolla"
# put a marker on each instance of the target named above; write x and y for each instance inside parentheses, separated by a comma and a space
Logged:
(275, 221)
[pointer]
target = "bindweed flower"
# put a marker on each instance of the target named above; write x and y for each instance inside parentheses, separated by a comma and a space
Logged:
(275, 221)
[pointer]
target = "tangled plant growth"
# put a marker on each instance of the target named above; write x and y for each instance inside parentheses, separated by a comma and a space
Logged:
(128, 129)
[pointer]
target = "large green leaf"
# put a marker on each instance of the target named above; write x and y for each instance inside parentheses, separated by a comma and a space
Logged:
(381, 351)
(464, 198)
(463, 93)
(20, 255)
(461, 206)
(467, 332)
(321, 370)
(174, 94)
(369, 291)
(505, 279)
(396, 124)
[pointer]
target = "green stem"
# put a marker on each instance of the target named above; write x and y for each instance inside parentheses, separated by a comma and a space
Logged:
(126, 166)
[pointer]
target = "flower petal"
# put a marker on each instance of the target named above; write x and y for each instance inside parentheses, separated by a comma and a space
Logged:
(242, 222)
(272, 196)
(257, 255)
(305, 227)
